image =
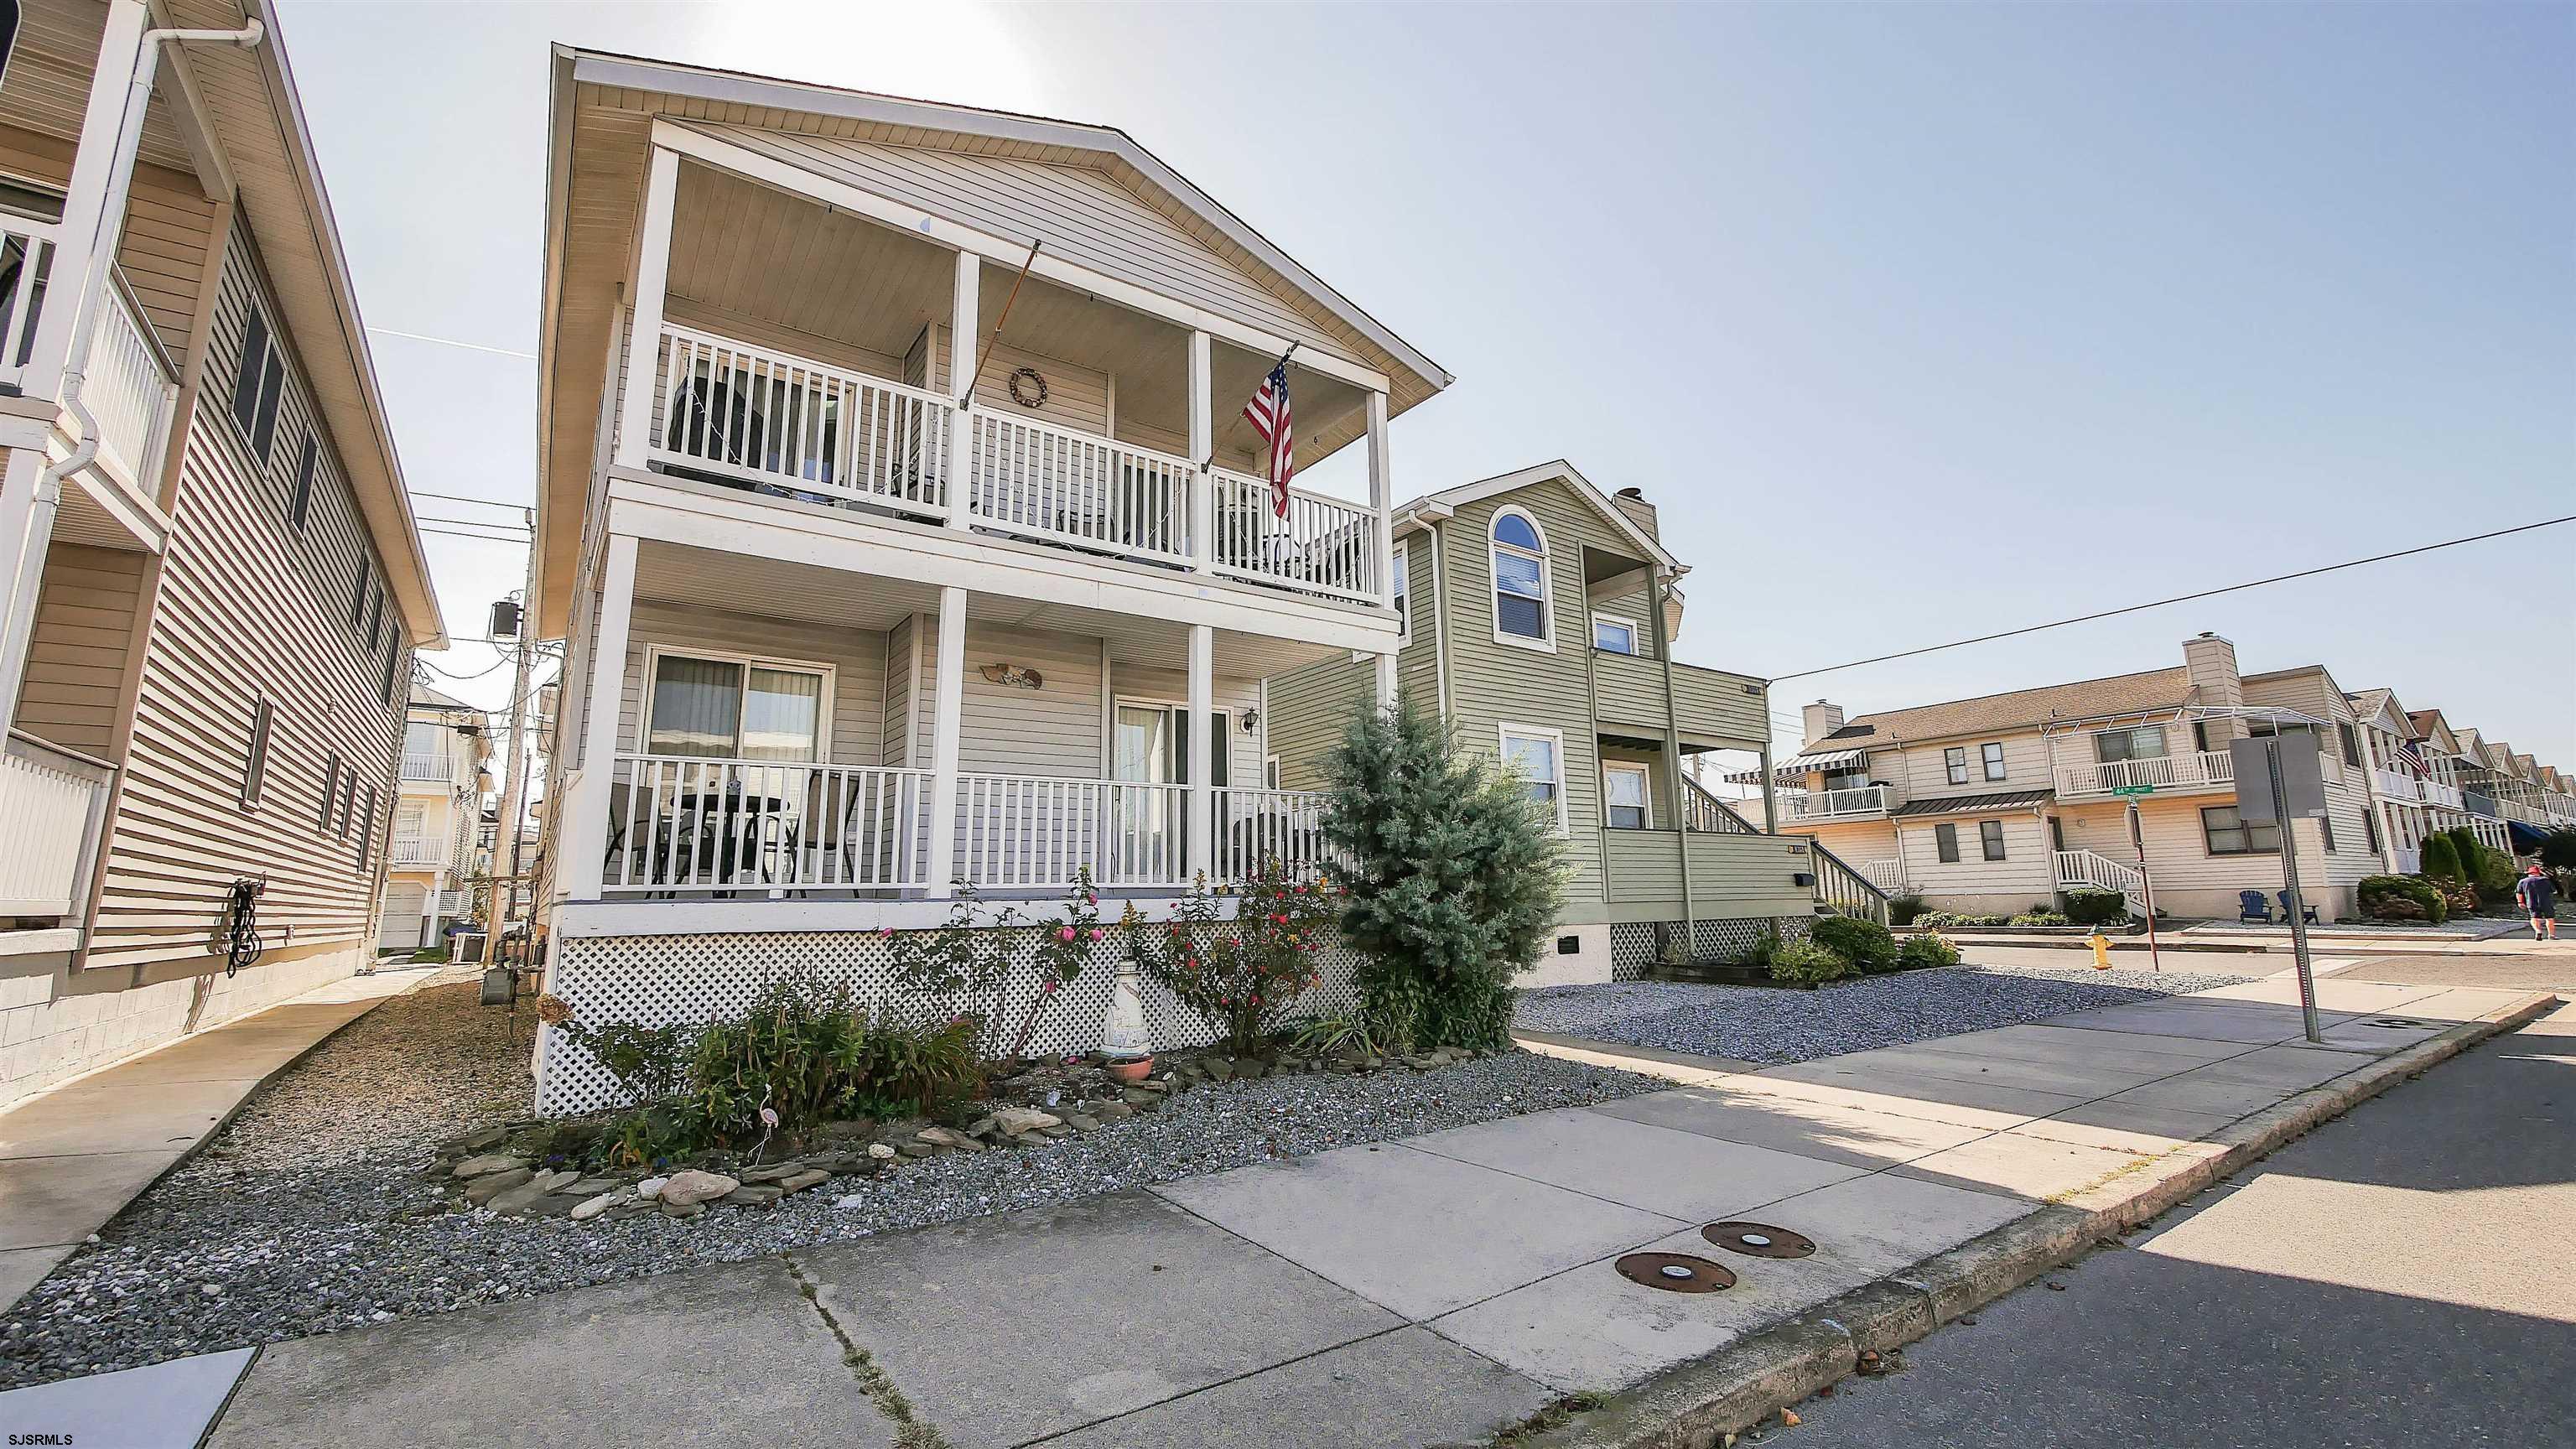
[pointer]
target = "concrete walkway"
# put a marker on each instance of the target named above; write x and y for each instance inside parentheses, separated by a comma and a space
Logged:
(73, 1156)
(1415, 1292)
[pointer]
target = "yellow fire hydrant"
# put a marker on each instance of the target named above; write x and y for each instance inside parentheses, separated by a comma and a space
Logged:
(2101, 945)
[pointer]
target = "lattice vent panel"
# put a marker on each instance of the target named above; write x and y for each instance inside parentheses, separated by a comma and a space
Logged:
(663, 980)
(1635, 946)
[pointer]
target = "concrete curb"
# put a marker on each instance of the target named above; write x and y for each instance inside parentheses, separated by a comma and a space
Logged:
(1697, 1405)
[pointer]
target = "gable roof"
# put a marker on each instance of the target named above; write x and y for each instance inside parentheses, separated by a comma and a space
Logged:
(2119, 694)
(2375, 703)
(2429, 725)
(1419, 511)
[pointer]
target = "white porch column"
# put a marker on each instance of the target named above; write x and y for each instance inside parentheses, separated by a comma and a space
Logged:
(1202, 501)
(644, 341)
(1199, 748)
(1382, 498)
(964, 299)
(85, 199)
(583, 825)
(947, 712)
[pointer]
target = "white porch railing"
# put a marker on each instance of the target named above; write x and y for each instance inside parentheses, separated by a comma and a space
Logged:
(1032, 478)
(2408, 859)
(801, 426)
(419, 850)
(2397, 785)
(129, 388)
(1252, 826)
(1036, 832)
(52, 805)
(682, 823)
(1887, 875)
(2446, 796)
(434, 768)
(1799, 806)
(1324, 545)
(2095, 871)
(26, 255)
(2193, 769)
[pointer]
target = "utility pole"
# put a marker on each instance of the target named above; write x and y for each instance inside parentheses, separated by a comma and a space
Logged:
(513, 783)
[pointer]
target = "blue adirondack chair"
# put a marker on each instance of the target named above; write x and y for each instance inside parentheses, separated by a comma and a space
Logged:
(2285, 909)
(2250, 906)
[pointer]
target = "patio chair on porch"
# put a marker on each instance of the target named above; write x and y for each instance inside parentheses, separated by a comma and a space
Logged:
(2250, 906)
(2311, 912)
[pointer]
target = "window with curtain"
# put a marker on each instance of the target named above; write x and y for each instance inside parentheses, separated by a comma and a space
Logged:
(2142, 742)
(733, 709)
(1520, 577)
(1538, 759)
(1623, 797)
(2227, 833)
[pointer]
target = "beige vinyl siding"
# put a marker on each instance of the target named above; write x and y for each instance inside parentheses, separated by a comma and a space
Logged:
(1924, 773)
(902, 654)
(1084, 215)
(1858, 842)
(1309, 710)
(1053, 730)
(1076, 397)
(2027, 875)
(855, 656)
(759, 332)
(169, 229)
(247, 609)
(84, 636)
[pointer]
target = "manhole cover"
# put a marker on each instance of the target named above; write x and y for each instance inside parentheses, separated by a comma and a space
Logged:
(2395, 1022)
(1759, 1240)
(1675, 1272)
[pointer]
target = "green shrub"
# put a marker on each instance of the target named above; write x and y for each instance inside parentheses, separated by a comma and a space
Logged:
(2442, 858)
(1952, 920)
(2096, 908)
(1902, 910)
(2039, 918)
(1806, 963)
(2402, 898)
(1866, 945)
(1926, 950)
(2558, 850)
(1452, 877)
(1240, 975)
(2495, 876)
(1759, 954)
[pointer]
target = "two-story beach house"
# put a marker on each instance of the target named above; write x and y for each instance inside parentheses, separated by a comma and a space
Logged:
(217, 585)
(1539, 616)
(437, 853)
(1997, 804)
(898, 509)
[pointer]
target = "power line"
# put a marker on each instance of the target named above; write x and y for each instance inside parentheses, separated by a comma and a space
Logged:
(461, 498)
(486, 537)
(2181, 598)
(518, 529)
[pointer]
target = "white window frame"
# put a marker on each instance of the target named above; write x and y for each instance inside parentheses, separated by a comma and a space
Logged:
(1645, 792)
(1622, 621)
(823, 715)
(1494, 548)
(1503, 734)
(1232, 714)
(1404, 592)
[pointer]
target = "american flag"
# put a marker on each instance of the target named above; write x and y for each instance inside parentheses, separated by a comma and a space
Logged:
(1268, 413)
(2412, 757)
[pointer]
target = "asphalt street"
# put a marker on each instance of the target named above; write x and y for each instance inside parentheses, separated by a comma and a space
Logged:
(2400, 1276)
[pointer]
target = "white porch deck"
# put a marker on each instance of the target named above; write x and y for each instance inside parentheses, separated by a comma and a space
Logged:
(2196, 770)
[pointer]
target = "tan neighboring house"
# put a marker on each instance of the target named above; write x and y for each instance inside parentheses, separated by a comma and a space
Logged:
(218, 585)
(437, 852)
(1998, 804)
(863, 605)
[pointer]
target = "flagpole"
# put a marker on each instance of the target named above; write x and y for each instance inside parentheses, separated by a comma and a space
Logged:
(986, 355)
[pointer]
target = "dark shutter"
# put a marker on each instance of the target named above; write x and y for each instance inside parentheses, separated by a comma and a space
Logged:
(254, 360)
(330, 789)
(255, 758)
(302, 504)
(272, 386)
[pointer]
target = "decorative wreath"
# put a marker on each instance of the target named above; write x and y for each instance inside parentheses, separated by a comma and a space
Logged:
(1034, 379)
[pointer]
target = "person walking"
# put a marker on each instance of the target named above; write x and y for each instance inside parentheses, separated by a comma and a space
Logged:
(2539, 895)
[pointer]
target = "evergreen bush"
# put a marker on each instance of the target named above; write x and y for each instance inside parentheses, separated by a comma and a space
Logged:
(2402, 898)
(1453, 874)
(1807, 963)
(2558, 850)
(1902, 910)
(1929, 949)
(2442, 858)
(1866, 945)
(2096, 908)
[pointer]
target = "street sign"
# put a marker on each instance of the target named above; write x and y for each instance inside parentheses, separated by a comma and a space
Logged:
(2303, 787)
(2133, 789)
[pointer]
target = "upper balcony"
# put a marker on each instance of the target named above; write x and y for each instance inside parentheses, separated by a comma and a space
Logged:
(2399, 785)
(1710, 707)
(1809, 807)
(2196, 770)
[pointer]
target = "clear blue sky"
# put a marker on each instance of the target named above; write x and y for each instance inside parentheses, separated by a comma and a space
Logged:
(1917, 321)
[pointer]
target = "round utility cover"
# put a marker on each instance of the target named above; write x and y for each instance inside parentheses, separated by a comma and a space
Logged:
(1675, 1272)
(2395, 1022)
(1758, 1240)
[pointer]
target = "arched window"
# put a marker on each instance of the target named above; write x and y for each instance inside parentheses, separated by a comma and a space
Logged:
(1520, 580)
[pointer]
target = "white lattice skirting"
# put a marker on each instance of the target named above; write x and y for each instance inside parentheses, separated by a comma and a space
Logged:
(665, 980)
(1633, 944)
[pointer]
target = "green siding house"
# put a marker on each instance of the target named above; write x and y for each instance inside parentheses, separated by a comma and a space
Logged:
(1530, 627)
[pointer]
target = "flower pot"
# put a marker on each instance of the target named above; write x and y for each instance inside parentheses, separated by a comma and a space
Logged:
(1132, 1072)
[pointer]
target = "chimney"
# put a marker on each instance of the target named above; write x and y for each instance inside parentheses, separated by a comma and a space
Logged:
(1632, 502)
(2210, 663)
(1821, 719)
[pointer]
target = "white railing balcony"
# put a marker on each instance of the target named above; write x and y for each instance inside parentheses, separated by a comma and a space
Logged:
(1858, 803)
(2408, 859)
(680, 822)
(130, 387)
(1887, 875)
(2446, 796)
(2398, 785)
(1256, 826)
(419, 850)
(1037, 832)
(53, 805)
(1323, 545)
(437, 769)
(2199, 769)
(797, 428)
(26, 256)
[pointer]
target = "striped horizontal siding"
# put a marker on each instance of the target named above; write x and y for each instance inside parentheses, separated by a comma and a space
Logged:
(84, 636)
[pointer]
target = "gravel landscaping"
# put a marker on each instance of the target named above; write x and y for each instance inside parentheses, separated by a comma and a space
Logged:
(1775, 1026)
(310, 1213)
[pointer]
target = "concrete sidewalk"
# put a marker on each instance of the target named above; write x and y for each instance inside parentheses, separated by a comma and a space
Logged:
(1411, 1292)
(73, 1156)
